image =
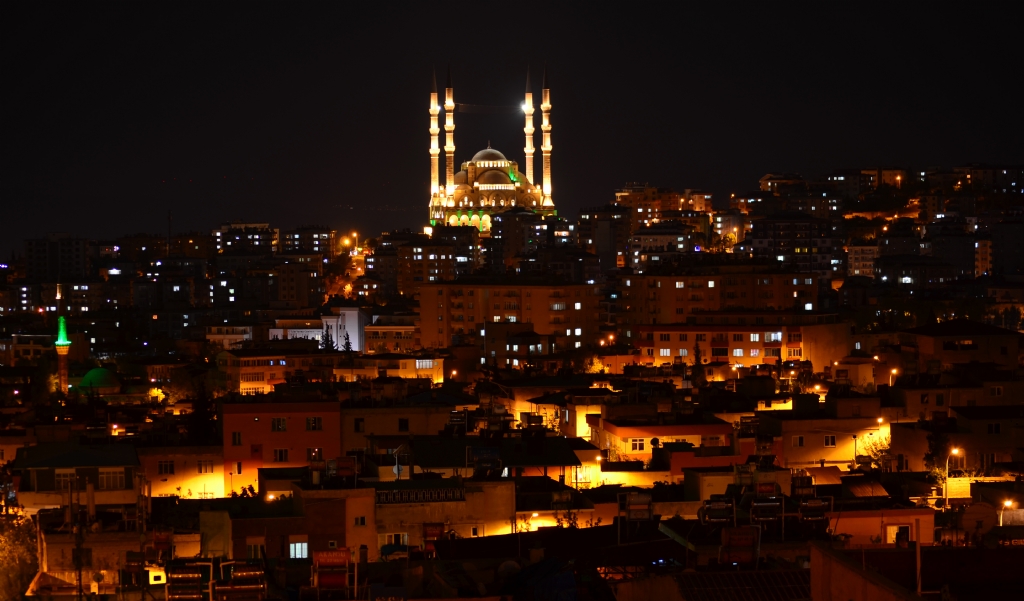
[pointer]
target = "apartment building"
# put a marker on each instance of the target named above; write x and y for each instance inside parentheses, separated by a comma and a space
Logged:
(189, 472)
(676, 296)
(277, 434)
(453, 308)
(423, 261)
(816, 338)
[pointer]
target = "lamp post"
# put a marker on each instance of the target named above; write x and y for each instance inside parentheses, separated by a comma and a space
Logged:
(945, 488)
(891, 374)
(1007, 504)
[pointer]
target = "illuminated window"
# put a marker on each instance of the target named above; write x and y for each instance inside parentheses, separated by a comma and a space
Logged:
(298, 547)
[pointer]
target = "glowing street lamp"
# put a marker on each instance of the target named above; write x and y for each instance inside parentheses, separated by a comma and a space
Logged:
(945, 488)
(891, 374)
(1007, 504)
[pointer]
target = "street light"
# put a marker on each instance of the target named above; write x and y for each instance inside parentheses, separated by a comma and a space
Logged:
(1007, 504)
(891, 374)
(945, 488)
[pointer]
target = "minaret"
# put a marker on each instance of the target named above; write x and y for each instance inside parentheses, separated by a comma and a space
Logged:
(528, 109)
(449, 128)
(545, 148)
(434, 150)
(62, 345)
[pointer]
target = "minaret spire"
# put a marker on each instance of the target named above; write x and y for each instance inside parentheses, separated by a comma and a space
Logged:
(545, 147)
(528, 129)
(435, 109)
(449, 128)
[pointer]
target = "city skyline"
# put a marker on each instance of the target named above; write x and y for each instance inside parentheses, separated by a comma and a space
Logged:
(208, 120)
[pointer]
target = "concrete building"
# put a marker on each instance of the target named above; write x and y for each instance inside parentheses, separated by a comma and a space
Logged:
(462, 307)
(745, 344)
(795, 240)
(188, 472)
(277, 434)
(106, 476)
(940, 346)
(57, 257)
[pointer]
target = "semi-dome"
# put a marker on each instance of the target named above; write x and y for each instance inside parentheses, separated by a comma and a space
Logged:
(101, 381)
(488, 154)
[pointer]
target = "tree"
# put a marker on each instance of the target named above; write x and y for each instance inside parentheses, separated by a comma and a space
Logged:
(347, 346)
(327, 341)
(699, 381)
(938, 449)
(877, 449)
(17, 556)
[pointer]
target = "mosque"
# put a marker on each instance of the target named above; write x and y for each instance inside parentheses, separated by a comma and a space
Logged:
(489, 183)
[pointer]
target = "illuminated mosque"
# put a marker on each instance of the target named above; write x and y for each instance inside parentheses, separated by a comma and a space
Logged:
(488, 184)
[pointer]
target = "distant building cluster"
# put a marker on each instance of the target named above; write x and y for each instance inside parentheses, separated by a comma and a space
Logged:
(512, 400)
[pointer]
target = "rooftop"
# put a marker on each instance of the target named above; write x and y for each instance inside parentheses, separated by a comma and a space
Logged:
(960, 327)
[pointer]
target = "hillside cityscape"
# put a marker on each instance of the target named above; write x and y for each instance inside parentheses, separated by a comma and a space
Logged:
(808, 388)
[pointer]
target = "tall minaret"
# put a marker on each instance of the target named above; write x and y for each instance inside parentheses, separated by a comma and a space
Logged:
(528, 109)
(434, 150)
(545, 148)
(449, 128)
(61, 345)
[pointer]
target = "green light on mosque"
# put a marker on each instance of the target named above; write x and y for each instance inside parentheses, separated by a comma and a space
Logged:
(62, 332)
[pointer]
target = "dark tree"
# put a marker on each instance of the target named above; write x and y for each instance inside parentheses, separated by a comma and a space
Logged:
(347, 346)
(327, 341)
(699, 380)
(938, 449)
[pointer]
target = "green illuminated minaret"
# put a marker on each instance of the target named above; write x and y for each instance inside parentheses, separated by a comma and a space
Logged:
(62, 333)
(62, 345)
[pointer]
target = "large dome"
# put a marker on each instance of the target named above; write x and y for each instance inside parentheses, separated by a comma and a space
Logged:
(488, 154)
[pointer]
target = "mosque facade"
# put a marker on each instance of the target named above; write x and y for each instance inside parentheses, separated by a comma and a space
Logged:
(489, 183)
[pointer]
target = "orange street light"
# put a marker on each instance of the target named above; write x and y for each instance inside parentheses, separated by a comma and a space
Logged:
(891, 374)
(1007, 504)
(945, 488)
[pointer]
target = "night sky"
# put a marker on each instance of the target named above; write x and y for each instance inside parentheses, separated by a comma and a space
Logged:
(297, 114)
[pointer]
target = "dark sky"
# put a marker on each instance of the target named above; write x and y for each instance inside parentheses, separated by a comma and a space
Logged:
(293, 113)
